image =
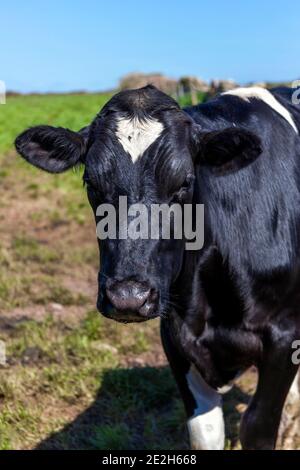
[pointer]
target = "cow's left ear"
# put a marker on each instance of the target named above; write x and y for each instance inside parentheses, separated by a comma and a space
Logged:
(228, 150)
(53, 149)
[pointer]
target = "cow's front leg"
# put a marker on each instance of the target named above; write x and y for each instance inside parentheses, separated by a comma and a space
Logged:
(260, 423)
(206, 425)
(203, 404)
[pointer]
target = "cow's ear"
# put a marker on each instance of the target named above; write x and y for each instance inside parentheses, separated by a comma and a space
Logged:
(228, 150)
(52, 149)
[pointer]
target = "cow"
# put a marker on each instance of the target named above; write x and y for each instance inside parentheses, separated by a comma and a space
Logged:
(234, 303)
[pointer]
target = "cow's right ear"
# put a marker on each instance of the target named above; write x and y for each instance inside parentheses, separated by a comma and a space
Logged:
(52, 149)
(227, 150)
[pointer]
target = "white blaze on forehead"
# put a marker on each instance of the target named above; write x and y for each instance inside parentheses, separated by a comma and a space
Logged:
(206, 426)
(267, 97)
(136, 135)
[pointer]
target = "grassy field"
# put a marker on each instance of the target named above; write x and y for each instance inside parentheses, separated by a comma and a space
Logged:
(74, 379)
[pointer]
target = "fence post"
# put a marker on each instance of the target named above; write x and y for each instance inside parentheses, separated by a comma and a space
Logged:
(2, 353)
(2, 92)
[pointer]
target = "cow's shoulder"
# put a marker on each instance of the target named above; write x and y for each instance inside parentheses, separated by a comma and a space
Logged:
(254, 108)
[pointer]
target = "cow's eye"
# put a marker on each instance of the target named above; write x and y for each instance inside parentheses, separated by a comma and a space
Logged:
(184, 189)
(188, 182)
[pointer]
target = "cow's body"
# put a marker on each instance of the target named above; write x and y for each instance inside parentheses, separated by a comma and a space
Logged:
(240, 295)
(235, 303)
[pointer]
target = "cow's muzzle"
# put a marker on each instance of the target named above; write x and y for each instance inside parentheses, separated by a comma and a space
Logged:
(129, 300)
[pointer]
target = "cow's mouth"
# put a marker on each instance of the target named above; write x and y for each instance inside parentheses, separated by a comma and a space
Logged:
(131, 318)
(125, 316)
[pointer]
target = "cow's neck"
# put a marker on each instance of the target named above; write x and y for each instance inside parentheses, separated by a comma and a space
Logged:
(238, 242)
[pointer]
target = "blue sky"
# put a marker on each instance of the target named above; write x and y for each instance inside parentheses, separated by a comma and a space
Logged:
(87, 44)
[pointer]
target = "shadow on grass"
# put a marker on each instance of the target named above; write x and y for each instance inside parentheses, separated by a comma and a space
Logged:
(136, 408)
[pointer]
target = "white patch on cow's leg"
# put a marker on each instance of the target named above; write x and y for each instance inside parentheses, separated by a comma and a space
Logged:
(294, 393)
(136, 135)
(206, 426)
(263, 95)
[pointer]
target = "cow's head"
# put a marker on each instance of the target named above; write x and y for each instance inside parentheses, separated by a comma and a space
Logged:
(143, 146)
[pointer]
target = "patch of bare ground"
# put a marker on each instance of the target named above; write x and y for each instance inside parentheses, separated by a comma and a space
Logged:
(65, 313)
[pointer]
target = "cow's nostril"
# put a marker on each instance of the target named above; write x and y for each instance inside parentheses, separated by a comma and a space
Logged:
(150, 305)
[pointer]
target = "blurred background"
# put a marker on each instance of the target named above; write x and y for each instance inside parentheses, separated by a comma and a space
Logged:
(72, 379)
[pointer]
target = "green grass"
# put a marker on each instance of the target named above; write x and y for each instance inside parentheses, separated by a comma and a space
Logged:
(72, 111)
(53, 365)
(31, 263)
(186, 100)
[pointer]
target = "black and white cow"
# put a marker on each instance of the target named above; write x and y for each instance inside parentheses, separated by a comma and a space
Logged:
(234, 303)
